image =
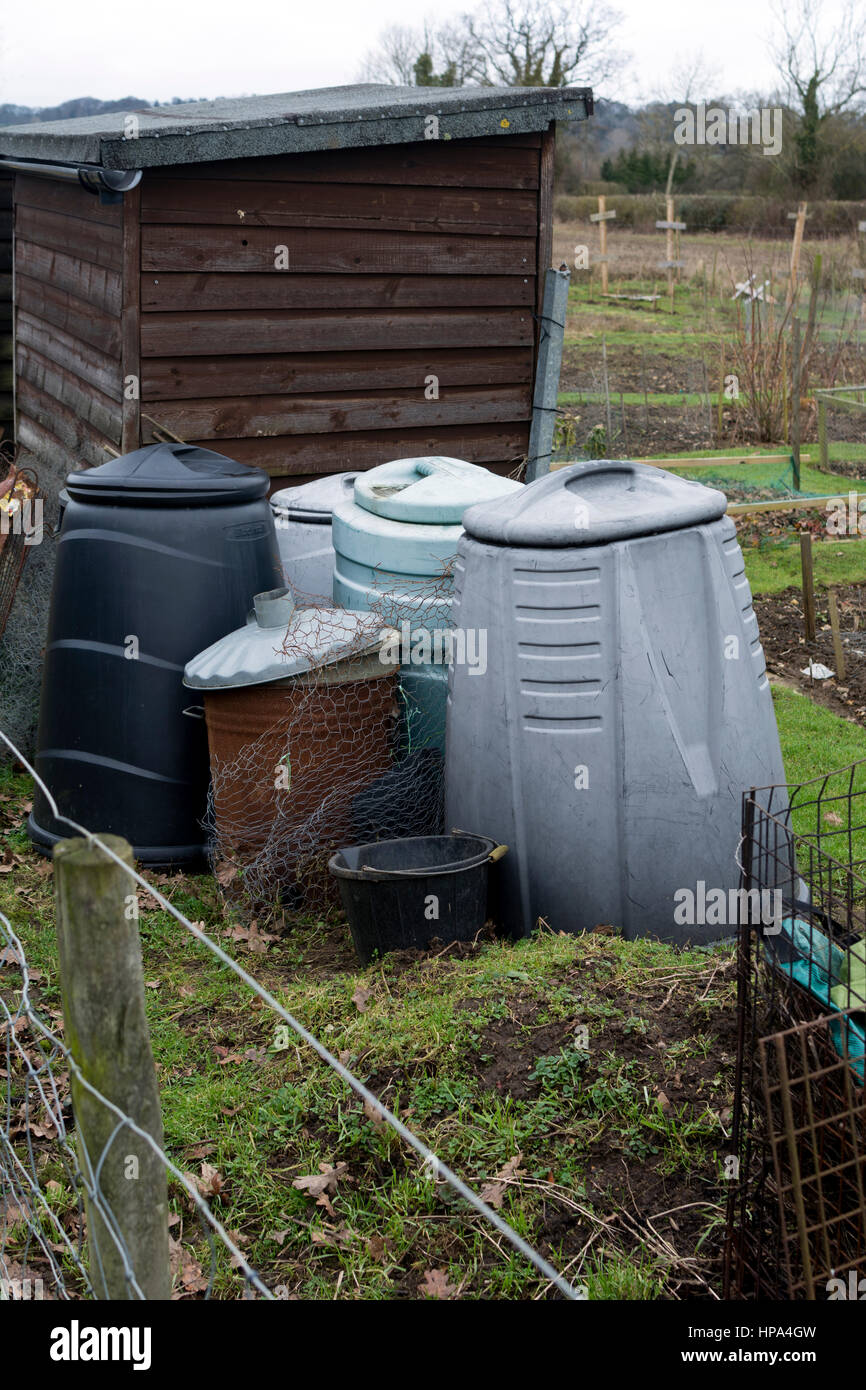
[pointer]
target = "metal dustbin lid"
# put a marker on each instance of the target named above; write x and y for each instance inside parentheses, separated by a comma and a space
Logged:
(169, 475)
(280, 640)
(313, 502)
(433, 491)
(594, 503)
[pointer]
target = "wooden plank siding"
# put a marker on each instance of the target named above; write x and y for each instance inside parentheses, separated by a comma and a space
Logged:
(7, 374)
(69, 303)
(404, 262)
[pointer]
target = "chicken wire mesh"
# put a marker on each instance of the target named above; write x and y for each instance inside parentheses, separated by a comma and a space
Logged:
(343, 753)
(796, 1212)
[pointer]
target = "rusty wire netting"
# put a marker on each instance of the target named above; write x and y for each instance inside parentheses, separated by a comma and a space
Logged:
(796, 1212)
(342, 753)
(815, 1116)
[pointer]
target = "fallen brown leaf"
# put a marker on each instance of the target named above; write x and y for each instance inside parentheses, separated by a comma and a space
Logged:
(360, 998)
(493, 1193)
(435, 1284)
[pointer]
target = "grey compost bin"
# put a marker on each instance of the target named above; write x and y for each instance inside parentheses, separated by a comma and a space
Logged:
(625, 705)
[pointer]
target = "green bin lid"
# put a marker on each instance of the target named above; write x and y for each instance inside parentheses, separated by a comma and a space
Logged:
(433, 491)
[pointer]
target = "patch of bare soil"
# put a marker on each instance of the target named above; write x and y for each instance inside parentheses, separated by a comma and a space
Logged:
(781, 625)
(633, 1193)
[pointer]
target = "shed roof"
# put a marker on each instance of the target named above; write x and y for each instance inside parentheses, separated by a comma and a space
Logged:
(291, 123)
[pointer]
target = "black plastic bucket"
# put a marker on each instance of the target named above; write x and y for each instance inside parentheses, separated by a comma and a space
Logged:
(405, 893)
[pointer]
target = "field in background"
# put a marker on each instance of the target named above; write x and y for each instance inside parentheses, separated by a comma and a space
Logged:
(643, 377)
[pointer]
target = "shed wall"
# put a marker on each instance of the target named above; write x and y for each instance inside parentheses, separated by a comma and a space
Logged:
(7, 386)
(68, 294)
(404, 262)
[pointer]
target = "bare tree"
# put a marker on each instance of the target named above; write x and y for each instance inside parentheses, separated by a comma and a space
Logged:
(691, 78)
(393, 60)
(511, 43)
(541, 43)
(822, 64)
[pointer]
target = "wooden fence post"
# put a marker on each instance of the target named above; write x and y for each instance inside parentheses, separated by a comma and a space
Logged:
(823, 452)
(602, 217)
(838, 649)
(102, 987)
(799, 218)
(795, 399)
(808, 584)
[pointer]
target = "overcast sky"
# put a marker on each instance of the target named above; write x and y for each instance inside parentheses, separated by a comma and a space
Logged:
(59, 49)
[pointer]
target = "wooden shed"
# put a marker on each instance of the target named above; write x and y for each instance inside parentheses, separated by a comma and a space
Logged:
(281, 277)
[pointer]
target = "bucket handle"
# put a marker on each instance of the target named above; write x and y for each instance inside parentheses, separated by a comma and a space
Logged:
(495, 854)
(194, 711)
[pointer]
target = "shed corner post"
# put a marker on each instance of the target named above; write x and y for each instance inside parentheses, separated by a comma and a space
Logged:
(548, 366)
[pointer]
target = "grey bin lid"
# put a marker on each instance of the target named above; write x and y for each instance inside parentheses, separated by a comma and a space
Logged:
(593, 503)
(312, 638)
(313, 502)
(169, 474)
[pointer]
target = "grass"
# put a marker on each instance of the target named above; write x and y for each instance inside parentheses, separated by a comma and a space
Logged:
(588, 1074)
(542, 1061)
(773, 567)
(591, 1076)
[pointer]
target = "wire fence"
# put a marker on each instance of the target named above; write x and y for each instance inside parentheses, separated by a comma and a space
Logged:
(46, 1245)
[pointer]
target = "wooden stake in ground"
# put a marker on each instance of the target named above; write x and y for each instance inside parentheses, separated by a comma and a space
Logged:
(808, 584)
(671, 261)
(606, 388)
(837, 635)
(602, 217)
(670, 255)
(799, 227)
(102, 988)
(795, 399)
(643, 383)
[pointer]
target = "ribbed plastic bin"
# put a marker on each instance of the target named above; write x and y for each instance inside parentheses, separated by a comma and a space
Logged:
(395, 541)
(625, 707)
(160, 552)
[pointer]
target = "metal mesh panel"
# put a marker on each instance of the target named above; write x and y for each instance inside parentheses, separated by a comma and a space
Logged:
(796, 1213)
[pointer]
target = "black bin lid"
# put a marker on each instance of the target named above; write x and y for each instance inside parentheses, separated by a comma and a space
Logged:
(169, 475)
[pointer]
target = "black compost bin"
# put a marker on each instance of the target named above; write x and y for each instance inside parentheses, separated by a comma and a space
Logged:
(404, 893)
(160, 553)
